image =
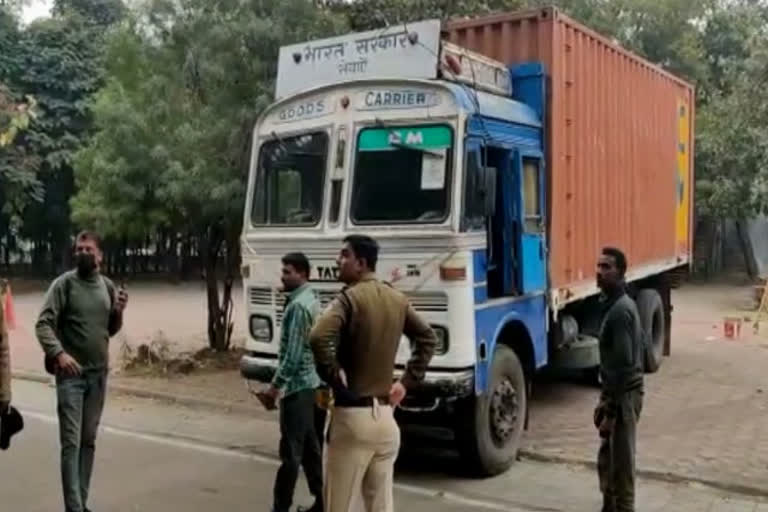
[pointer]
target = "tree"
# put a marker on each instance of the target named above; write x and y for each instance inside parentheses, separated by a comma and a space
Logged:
(187, 81)
(99, 13)
(59, 64)
(733, 147)
(371, 14)
(18, 181)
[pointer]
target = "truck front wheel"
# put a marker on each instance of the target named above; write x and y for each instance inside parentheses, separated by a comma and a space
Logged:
(490, 426)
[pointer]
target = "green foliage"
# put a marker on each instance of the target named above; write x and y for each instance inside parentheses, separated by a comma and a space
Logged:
(733, 141)
(102, 13)
(185, 86)
(371, 14)
(18, 168)
(155, 114)
(186, 81)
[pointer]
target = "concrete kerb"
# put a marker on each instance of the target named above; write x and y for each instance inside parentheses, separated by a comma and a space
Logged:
(190, 401)
(32, 376)
(652, 474)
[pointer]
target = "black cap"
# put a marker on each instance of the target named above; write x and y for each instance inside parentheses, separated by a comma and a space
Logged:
(11, 423)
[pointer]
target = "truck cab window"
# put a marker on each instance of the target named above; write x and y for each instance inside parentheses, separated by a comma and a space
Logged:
(532, 195)
(474, 218)
(402, 175)
(289, 184)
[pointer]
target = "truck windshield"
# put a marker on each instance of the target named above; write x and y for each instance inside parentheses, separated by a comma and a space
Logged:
(402, 175)
(289, 184)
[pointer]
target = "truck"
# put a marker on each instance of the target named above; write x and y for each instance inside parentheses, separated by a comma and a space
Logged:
(492, 159)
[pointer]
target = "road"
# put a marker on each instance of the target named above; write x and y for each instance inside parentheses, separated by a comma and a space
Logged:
(704, 414)
(154, 456)
(144, 471)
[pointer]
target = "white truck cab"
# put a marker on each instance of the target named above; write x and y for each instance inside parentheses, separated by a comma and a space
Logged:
(379, 133)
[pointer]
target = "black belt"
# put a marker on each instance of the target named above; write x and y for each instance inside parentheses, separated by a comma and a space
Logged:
(363, 401)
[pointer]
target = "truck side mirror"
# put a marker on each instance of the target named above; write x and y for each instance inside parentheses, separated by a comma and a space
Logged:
(487, 192)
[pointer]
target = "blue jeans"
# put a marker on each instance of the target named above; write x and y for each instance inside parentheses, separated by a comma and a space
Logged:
(80, 404)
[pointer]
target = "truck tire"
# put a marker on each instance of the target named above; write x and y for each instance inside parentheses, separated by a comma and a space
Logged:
(491, 426)
(651, 310)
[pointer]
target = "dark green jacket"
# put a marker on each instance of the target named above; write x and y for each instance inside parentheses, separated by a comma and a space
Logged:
(621, 351)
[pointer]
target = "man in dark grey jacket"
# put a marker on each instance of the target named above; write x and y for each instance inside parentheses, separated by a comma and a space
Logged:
(82, 311)
(621, 400)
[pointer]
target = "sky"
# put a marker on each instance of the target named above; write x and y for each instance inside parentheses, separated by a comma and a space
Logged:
(36, 9)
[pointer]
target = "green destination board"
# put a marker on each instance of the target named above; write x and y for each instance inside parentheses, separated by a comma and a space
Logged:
(383, 139)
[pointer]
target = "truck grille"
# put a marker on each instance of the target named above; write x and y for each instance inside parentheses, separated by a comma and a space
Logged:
(425, 302)
(261, 296)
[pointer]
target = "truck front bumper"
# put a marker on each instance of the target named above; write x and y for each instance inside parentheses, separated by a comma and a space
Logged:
(258, 367)
(439, 383)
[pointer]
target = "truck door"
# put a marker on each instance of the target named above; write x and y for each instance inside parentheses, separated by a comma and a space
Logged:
(504, 225)
(532, 271)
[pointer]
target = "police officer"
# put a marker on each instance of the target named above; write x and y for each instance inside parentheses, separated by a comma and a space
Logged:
(621, 400)
(354, 342)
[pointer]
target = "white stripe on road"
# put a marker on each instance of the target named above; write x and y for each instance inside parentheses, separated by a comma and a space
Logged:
(230, 452)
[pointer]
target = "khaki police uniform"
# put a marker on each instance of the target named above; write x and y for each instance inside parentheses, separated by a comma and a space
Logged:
(359, 334)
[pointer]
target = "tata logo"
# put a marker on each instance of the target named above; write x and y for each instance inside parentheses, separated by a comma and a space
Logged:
(327, 273)
(411, 138)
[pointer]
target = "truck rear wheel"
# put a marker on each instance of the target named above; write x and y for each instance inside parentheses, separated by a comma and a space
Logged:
(491, 426)
(651, 310)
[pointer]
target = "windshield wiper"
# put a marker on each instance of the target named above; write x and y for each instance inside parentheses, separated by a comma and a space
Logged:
(293, 151)
(401, 145)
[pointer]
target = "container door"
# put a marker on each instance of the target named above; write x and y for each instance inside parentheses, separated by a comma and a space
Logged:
(532, 245)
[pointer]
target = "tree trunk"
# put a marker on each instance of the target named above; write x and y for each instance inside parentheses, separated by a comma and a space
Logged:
(172, 255)
(160, 244)
(746, 249)
(219, 308)
(186, 251)
(232, 271)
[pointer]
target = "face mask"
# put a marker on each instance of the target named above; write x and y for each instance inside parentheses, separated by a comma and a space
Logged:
(86, 263)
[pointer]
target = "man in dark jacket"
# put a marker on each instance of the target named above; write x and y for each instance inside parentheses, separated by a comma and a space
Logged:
(621, 370)
(82, 311)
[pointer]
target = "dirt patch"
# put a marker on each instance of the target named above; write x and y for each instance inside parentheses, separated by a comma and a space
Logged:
(159, 359)
(225, 387)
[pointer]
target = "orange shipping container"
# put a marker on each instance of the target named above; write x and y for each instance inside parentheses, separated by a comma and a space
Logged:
(619, 144)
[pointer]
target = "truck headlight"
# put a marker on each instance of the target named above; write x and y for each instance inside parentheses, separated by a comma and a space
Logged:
(261, 328)
(442, 339)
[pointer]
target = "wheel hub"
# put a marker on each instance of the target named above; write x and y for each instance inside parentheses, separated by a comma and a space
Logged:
(504, 411)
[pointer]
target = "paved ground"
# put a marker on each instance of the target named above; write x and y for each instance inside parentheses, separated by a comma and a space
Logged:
(705, 415)
(706, 411)
(154, 456)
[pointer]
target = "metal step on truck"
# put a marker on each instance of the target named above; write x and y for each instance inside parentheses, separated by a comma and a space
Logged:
(492, 159)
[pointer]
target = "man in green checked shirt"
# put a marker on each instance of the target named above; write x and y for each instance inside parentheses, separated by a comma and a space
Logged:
(295, 382)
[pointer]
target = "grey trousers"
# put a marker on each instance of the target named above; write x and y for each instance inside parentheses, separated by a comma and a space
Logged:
(80, 404)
